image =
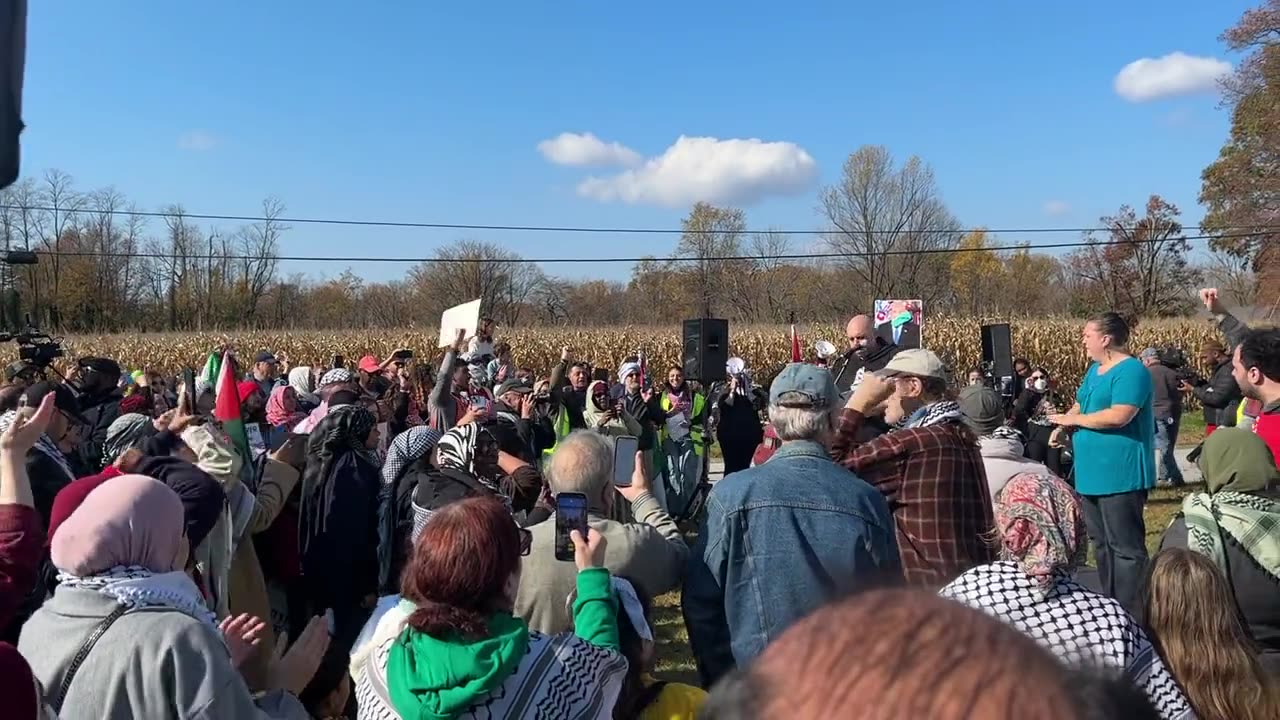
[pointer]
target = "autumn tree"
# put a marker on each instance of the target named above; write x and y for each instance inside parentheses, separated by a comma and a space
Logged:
(890, 222)
(1140, 267)
(711, 234)
(976, 273)
(1241, 189)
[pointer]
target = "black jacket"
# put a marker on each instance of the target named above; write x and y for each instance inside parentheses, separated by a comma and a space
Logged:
(100, 411)
(439, 487)
(643, 412)
(1220, 396)
(846, 367)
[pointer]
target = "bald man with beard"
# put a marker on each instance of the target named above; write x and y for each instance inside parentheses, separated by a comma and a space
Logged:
(867, 352)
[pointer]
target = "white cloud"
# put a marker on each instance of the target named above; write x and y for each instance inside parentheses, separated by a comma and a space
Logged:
(1174, 74)
(197, 141)
(585, 149)
(1056, 208)
(734, 171)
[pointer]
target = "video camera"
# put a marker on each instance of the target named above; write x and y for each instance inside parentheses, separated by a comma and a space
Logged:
(35, 348)
(1174, 359)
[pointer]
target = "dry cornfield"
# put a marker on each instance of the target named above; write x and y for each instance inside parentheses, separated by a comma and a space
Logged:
(1052, 342)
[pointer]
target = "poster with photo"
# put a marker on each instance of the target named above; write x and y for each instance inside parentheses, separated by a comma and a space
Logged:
(900, 322)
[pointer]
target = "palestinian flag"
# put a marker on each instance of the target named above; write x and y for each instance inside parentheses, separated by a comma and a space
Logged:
(796, 354)
(209, 373)
(226, 407)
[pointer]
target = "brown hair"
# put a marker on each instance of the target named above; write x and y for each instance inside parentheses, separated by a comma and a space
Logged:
(1192, 615)
(461, 563)
(928, 658)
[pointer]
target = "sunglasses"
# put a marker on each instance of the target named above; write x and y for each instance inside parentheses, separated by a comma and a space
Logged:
(526, 542)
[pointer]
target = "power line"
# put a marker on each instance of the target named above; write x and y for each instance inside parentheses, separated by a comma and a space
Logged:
(578, 261)
(554, 228)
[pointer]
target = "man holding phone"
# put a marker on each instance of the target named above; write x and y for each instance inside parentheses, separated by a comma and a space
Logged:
(651, 551)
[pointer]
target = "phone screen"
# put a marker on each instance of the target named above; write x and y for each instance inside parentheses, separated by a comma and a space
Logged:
(337, 361)
(189, 383)
(480, 402)
(571, 514)
(625, 448)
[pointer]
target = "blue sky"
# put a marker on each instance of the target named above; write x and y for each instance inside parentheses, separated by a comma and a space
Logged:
(435, 111)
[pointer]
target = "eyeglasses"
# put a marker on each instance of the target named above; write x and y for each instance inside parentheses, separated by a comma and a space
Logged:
(526, 542)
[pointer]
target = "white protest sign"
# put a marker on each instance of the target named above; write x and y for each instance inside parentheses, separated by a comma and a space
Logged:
(459, 317)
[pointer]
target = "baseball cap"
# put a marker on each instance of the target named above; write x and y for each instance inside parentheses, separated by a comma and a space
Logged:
(264, 356)
(64, 399)
(916, 362)
(369, 364)
(515, 385)
(802, 385)
(982, 407)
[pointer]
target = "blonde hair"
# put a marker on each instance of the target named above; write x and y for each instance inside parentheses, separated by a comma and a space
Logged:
(1192, 615)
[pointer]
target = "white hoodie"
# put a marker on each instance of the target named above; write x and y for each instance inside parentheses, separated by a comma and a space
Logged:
(1002, 459)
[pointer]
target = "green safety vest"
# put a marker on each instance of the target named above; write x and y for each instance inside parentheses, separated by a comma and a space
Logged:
(695, 428)
(562, 428)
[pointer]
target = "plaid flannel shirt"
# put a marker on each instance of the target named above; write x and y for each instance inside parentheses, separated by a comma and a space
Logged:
(936, 487)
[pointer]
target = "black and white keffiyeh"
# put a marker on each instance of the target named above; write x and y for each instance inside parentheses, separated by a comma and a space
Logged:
(136, 586)
(406, 449)
(934, 414)
(1004, 432)
(43, 444)
(561, 676)
(1079, 626)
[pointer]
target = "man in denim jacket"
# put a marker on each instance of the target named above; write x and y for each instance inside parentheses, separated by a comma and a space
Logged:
(781, 539)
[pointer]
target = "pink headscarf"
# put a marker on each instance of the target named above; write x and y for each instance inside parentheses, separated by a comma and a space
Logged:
(129, 520)
(282, 407)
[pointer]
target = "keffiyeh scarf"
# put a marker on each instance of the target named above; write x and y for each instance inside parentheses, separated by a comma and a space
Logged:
(1079, 626)
(1004, 432)
(1251, 520)
(43, 444)
(136, 587)
(564, 677)
(408, 447)
(934, 414)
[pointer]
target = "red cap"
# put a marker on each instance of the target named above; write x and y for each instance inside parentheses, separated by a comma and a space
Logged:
(369, 364)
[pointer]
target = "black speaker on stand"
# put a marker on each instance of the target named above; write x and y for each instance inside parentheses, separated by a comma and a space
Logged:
(997, 357)
(705, 344)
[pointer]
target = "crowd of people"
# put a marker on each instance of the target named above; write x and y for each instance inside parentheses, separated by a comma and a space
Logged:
(887, 539)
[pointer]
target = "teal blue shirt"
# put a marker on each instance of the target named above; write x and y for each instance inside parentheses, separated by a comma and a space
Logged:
(1120, 459)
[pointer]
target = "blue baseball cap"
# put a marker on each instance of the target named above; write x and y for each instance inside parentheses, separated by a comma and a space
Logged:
(803, 385)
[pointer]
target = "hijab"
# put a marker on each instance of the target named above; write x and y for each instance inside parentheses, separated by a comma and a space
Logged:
(594, 411)
(1235, 460)
(131, 520)
(125, 432)
(282, 407)
(201, 497)
(341, 434)
(1237, 466)
(303, 383)
(72, 496)
(471, 449)
(408, 447)
(1041, 526)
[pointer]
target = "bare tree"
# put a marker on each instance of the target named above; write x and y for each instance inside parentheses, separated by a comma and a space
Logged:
(712, 234)
(892, 223)
(259, 246)
(471, 269)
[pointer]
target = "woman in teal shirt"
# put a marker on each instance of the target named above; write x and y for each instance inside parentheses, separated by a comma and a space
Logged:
(1113, 446)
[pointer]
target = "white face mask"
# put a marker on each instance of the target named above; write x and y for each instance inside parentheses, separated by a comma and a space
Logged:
(1040, 385)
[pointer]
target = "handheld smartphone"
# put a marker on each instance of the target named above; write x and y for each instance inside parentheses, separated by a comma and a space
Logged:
(189, 387)
(402, 355)
(625, 448)
(337, 362)
(571, 514)
(479, 402)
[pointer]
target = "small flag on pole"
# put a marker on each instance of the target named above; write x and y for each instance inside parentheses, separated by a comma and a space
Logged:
(796, 355)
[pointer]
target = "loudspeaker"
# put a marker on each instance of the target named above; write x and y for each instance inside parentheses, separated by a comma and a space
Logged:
(706, 349)
(997, 350)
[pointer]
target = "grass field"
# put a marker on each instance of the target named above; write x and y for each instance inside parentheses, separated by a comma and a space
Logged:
(675, 662)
